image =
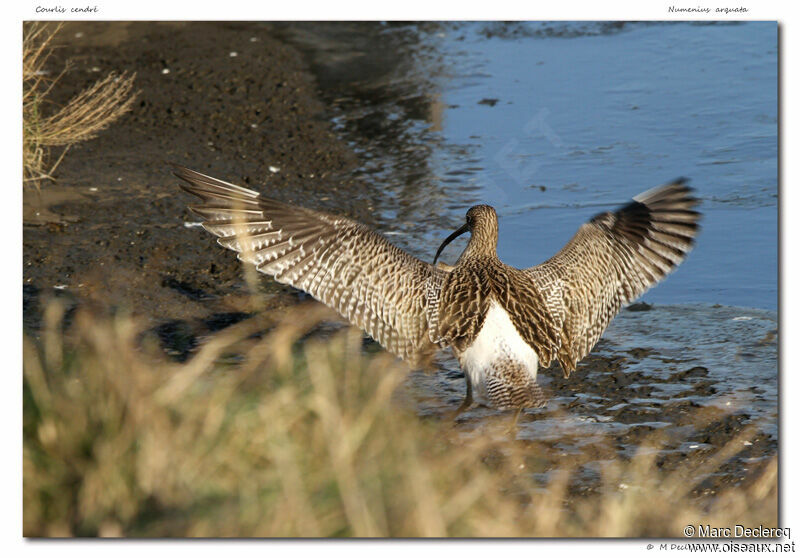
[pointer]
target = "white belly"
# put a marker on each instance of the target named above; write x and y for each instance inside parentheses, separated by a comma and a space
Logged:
(498, 339)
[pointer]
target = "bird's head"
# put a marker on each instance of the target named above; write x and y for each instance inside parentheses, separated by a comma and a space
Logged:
(481, 222)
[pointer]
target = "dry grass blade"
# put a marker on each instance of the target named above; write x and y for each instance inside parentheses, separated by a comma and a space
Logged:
(89, 112)
(82, 118)
(36, 50)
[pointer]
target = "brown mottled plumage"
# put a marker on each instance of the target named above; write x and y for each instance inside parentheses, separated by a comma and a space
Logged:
(509, 385)
(501, 322)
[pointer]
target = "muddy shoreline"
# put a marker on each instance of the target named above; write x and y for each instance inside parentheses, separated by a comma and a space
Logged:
(233, 100)
(114, 232)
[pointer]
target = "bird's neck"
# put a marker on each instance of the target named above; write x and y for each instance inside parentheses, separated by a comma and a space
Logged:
(482, 245)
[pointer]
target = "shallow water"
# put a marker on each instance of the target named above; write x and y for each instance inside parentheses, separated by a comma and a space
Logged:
(736, 347)
(551, 124)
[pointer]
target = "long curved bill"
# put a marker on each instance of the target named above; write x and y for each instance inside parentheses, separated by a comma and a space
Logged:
(464, 228)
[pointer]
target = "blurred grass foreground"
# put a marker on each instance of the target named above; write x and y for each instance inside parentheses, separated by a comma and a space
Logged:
(268, 431)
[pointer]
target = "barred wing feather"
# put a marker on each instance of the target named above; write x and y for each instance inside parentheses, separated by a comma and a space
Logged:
(375, 285)
(612, 260)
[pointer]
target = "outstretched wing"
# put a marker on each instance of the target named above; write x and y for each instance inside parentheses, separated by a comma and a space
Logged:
(344, 264)
(611, 261)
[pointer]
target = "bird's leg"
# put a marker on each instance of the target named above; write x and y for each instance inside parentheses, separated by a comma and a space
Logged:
(512, 429)
(467, 400)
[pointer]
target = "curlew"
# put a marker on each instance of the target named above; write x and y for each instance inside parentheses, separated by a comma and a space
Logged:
(502, 323)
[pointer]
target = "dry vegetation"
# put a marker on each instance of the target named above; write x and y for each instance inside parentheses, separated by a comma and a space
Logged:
(287, 434)
(46, 127)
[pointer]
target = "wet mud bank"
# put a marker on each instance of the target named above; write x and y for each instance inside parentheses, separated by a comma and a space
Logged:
(226, 99)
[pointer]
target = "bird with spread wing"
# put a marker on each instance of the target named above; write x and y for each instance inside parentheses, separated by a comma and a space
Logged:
(502, 323)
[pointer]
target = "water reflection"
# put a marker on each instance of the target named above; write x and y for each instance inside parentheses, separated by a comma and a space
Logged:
(380, 82)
